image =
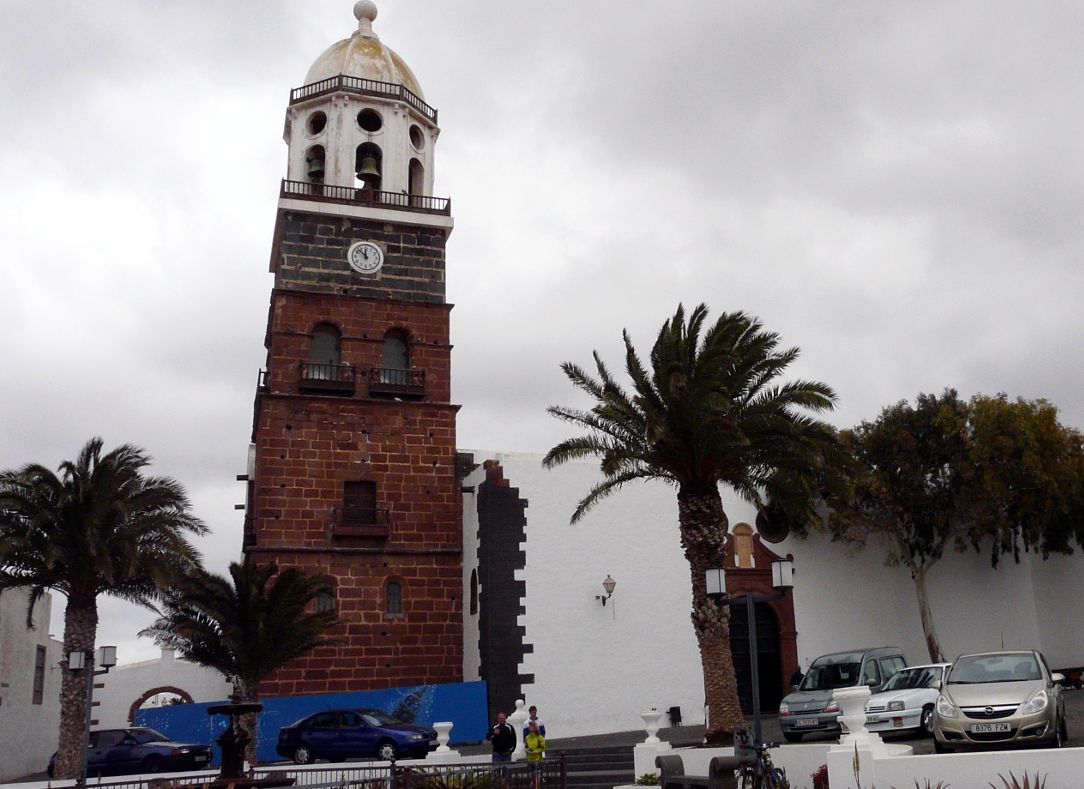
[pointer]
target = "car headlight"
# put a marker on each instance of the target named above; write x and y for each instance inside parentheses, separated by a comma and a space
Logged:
(417, 736)
(895, 706)
(1037, 702)
(945, 708)
(784, 708)
(832, 706)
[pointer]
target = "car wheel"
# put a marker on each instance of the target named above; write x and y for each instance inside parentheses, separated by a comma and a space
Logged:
(792, 736)
(153, 764)
(303, 754)
(387, 751)
(927, 720)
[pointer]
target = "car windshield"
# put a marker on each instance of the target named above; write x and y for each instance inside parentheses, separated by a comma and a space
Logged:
(980, 669)
(378, 718)
(833, 671)
(911, 678)
(143, 736)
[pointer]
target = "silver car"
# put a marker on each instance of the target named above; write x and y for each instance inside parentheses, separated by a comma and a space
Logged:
(907, 701)
(1000, 698)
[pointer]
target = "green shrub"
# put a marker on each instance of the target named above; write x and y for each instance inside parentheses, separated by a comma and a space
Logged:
(648, 779)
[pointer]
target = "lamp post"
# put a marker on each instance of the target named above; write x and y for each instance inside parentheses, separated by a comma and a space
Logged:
(783, 579)
(77, 661)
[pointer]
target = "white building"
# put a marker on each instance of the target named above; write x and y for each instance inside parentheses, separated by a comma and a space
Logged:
(121, 692)
(29, 686)
(593, 668)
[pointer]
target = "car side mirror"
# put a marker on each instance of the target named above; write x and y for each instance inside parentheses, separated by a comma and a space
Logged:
(937, 685)
(1057, 677)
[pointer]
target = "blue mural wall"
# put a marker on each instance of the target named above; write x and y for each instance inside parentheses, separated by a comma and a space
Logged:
(463, 703)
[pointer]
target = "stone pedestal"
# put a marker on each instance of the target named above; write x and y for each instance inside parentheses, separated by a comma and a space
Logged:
(443, 754)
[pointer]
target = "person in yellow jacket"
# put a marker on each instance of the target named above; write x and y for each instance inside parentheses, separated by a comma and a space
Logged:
(535, 744)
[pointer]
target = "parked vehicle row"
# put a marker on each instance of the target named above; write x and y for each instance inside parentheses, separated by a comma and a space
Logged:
(989, 699)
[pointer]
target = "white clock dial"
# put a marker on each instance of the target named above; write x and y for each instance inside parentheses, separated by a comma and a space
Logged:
(365, 257)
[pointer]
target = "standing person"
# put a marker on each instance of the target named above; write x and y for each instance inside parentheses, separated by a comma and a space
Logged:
(536, 750)
(533, 710)
(503, 737)
(796, 678)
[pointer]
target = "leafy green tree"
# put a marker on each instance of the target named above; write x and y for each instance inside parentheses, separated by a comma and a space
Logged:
(709, 411)
(944, 474)
(247, 625)
(100, 527)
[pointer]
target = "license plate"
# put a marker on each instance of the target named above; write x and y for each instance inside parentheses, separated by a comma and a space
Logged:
(988, 728)
(805, 723)
(872, 719)
(200, 758)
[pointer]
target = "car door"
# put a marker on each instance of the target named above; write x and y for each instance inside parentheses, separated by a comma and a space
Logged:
(102, 744)
(320, 734)
(125, 754)
(355, 736)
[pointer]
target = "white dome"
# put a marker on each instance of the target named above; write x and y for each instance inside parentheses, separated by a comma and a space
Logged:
(363, 55)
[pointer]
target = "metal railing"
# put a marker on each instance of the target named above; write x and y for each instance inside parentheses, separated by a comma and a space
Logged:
(396, 382)
(335, 378)
(363, 87)
(349, 195)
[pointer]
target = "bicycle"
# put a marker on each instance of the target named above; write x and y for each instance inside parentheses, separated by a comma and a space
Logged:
(761, 773)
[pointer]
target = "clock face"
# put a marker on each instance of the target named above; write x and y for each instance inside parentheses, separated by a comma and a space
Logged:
(365, 257)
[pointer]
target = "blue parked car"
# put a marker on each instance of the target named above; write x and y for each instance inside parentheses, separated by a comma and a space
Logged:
(348, 733)
(139, 750)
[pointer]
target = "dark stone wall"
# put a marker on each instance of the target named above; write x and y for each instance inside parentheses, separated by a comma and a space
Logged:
(311, 255)
(501, 531)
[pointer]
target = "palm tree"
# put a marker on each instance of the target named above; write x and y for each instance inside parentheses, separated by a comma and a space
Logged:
(100, 527)
(247, 625)
(709, 411)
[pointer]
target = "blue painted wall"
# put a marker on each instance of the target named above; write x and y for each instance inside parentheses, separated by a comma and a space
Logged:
(463, 703)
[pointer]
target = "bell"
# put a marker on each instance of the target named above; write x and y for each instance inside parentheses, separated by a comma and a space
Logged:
(316, 168)
(368, 171)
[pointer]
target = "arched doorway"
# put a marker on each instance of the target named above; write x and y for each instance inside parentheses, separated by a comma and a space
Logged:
(769, 657)
(184, 695)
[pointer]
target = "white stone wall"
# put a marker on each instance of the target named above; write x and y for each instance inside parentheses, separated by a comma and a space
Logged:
(596, 668)
(471, 655)
(28, 731)
(128, 682)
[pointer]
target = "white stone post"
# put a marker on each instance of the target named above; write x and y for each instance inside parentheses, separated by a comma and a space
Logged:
(856, 746)
(644, 753)
(516, 721)
(443, 754)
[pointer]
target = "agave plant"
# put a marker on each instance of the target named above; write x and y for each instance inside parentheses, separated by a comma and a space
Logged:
(1038, 783)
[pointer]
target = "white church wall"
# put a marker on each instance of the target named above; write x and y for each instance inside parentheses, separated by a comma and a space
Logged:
(596, 668)
(1059, 590)
(127, 683)
(28, 731)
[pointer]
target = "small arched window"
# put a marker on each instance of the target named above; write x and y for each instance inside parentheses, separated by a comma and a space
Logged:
(368, 165)
(393, 598)
(314, 164)
(395, 353)
(473, 592)
(324, 353)
(415, 178)
(325, 602)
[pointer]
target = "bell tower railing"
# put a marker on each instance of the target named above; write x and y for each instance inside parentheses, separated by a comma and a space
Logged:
(350, 195)
(363, 87)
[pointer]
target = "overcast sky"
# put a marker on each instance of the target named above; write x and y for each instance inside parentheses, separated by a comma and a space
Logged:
(896, 188)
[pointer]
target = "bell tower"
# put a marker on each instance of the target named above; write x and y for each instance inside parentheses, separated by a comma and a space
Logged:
(353, 464)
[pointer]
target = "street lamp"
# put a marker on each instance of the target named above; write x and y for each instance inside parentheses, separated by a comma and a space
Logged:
(77, 661)
(783, 579)
(607, 586)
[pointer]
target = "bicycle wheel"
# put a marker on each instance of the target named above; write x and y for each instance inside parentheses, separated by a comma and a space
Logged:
(747, 779)
(775, 778)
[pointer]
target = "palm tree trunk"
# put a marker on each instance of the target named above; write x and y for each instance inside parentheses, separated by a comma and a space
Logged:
(932, 642)
(80, 627)
(249, 721)
(703, 536)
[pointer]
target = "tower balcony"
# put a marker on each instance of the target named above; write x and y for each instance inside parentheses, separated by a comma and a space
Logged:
(349, 195)
(389, 381)
(336, 379)
(362, 522)
(362, 87)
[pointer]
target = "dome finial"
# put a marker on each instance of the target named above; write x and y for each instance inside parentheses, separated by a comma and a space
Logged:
(365, 13)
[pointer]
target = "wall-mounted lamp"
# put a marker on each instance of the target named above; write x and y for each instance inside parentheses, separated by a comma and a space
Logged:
(608, 584)
(783, 574)
(715, 578)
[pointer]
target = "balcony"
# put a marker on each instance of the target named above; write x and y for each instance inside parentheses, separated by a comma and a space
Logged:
(335, 379)
(391, 382)
(362, 523)
(362, 87)
(349, 195)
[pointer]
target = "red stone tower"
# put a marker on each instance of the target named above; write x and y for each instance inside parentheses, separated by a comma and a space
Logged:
(353, 468)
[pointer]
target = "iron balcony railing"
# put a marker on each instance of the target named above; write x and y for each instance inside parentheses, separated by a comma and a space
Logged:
(396, 383)
(363, 87)
(327, 378)
(349, 195)
(367, 522)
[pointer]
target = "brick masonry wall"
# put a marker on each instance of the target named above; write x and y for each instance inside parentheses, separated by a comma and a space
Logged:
(311, 255)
